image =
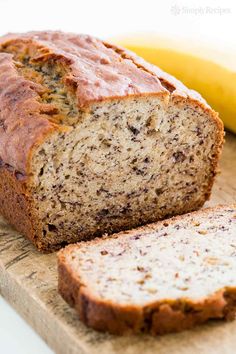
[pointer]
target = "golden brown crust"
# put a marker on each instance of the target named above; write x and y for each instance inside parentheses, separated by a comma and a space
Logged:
(96, 70)
(23, 125)
(160, 317)
(16, 204)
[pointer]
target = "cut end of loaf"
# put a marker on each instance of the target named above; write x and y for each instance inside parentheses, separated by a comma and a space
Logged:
(121, 167)
(161, 278)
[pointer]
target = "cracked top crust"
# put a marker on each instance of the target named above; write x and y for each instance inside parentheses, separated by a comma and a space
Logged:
(91, 71)
(96, 69)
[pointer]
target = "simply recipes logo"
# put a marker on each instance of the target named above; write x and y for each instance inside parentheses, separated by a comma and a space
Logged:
(177, 10)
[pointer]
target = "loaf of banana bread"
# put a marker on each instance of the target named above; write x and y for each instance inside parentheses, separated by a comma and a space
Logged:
(93, 139)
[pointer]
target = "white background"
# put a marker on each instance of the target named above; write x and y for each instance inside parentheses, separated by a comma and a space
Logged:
(210, 21)
(198, 20)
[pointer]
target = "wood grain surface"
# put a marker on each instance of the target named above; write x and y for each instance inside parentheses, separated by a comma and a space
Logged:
(28, 280)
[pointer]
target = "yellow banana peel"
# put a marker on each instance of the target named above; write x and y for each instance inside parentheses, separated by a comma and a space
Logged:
(200, 67)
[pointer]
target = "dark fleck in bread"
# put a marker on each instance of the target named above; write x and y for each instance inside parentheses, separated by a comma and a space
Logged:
(160, 278)
(93, 139)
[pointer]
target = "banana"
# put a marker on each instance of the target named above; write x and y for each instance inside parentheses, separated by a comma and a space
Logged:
(200, 67)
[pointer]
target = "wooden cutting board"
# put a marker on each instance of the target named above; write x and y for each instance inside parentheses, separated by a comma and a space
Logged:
(28, 280)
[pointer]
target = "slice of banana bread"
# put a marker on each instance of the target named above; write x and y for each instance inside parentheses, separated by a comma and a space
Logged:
(161, 278)
(95, 140)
